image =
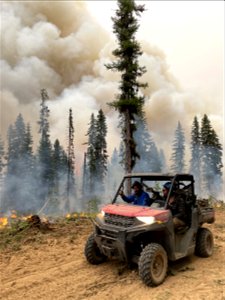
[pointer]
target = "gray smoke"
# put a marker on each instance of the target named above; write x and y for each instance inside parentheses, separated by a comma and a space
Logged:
(60, 47)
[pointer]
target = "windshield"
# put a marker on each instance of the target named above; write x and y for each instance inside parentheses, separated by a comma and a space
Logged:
(150, 186)
(136, 189)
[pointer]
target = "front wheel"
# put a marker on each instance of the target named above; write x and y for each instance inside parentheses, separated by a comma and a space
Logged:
(92, 252)
(153, 264)
(204, 243)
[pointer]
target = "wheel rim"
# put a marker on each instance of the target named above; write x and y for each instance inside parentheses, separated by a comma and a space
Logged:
(158, 266)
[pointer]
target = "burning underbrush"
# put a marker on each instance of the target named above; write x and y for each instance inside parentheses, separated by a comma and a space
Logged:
(16, 230)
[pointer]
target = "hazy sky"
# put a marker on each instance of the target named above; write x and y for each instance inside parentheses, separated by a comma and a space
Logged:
(57, 45)
(190, 33)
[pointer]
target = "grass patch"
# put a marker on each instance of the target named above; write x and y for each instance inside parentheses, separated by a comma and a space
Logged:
(11, 237)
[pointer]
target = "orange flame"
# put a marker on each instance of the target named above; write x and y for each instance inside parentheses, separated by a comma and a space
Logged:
(3, 222)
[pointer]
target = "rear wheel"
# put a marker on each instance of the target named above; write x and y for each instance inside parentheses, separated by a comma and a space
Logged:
(92, 252)
(153, 264)
(204, 243)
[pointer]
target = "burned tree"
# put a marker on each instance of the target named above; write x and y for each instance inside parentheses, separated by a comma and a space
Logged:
(70, 190)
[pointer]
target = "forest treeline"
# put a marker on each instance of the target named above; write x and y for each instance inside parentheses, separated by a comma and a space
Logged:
(43, 180)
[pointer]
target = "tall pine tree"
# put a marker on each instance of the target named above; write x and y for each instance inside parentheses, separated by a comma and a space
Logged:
(101, 151)
(149, 157)
(91, 163)
(211, 158)
(19, 194)
(129, 102)
(59, 161)
(195, 162)
(178, 151)
(97, 154)
(45, 165)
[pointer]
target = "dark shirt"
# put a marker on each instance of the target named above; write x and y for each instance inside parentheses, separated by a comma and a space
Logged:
(177, 208)
(141, 199)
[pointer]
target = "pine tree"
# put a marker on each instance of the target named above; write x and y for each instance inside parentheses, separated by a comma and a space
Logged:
(8, 199)
(211, 158)
(91, 155)
(154, 159)
(19, 191)
(129, 103)
(29, 156)
(30, 187)
(149, 155)
(100, 148)
(96, 164)
(45, 150)
(59, 160)
(16, 145)
(178, 151)
(217, 156)
(195, 162)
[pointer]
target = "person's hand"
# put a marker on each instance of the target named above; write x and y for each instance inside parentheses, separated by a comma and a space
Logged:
(121, 193)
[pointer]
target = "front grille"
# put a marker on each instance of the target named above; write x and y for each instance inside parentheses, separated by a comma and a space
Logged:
(111, 234)
(117, 220)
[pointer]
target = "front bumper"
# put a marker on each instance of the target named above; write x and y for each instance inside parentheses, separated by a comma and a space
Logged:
(115, 241)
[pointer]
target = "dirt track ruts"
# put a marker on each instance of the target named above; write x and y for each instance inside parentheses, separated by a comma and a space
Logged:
(55, 268)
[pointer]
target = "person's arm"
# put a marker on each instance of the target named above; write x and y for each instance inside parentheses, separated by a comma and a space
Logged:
(127, 199)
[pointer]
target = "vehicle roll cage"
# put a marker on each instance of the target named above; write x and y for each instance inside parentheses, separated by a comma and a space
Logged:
(176, 179)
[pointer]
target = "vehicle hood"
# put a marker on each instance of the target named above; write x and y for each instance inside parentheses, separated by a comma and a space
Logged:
(136, 211)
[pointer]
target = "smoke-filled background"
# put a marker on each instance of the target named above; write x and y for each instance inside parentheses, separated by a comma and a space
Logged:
(63, 46)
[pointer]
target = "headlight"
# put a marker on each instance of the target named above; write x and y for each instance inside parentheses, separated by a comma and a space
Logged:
(146, 220)
(101, 215)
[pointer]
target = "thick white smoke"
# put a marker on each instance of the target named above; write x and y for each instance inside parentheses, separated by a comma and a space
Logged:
(60, 47)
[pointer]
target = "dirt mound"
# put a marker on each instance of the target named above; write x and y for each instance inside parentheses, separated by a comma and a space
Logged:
(50, 264)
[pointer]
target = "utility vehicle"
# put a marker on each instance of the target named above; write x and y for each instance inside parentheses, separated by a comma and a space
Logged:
(146, 235)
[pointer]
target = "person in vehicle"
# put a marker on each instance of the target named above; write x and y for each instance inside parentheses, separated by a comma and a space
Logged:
(176, 204)
(139, 197)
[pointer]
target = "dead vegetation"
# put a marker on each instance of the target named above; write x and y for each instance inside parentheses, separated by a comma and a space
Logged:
(33, 230)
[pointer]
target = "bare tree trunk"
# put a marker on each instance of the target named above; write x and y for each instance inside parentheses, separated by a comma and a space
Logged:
(71, 161)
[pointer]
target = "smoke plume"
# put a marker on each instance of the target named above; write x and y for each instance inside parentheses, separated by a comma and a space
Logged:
(60, 47)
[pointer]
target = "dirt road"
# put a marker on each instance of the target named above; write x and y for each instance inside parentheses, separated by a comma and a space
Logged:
(52, 266)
